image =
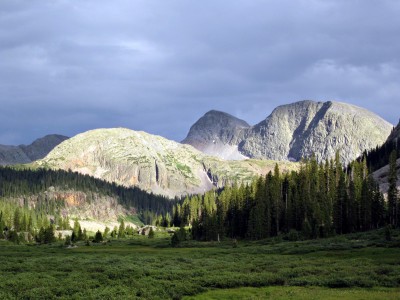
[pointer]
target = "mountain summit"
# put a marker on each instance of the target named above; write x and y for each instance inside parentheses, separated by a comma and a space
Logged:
(150, 162)
(11, 155)
(217, 133)
(294, 131)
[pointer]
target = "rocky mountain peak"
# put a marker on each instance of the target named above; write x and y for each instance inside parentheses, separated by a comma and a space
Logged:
(11, 155)
(42, 146)
(217, 133)
(213, 123)
(297, 130)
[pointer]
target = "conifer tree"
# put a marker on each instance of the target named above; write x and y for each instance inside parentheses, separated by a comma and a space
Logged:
(106, 232)
(340, 205)
(151, 233)
(393, 198)
(98, 238)
(276, 201)
(121, 229)
(17, 220)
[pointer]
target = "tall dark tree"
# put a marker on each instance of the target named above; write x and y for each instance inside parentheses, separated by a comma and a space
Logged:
(393, 198)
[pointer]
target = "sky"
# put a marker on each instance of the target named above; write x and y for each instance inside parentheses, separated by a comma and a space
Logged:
(158, 66)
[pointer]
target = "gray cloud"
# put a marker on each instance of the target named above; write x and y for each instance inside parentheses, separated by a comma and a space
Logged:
(70, 66)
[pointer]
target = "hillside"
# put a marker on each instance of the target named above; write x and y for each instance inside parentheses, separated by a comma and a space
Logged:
(395, 134)
(381, 176)
(150, 162)
(294, 131)
(63, 195)
(379, 160)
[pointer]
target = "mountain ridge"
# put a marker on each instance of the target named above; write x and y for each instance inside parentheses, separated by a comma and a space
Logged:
(150, 162)
(22, 154)
(298, 130)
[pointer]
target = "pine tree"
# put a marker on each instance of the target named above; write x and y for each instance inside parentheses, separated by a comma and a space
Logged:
(76, 229)
(121, 229)
(340, 205)
(17, 220)
(106, 232)
(49, 235)
(259, 223)
(98, 238)
(151, 233)
(276, 201)
(393, 198)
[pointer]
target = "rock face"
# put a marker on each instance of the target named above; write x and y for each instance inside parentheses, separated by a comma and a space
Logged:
(395, 134)
(11, 155)
(94, 211)
(298, 130)
(153, 163)
(218, 133)
(382, 177)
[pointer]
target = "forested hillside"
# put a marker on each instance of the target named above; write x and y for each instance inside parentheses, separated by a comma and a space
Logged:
(317, 201)
(31, 199)
(379, 157)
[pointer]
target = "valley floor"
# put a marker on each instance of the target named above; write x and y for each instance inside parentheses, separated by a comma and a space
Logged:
(356, 266)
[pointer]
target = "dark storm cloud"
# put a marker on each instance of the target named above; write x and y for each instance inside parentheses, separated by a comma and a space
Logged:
(70, 66)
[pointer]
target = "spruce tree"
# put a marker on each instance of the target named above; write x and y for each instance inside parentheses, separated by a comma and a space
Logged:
(151, 233)
(17, 220)
(98, 238)
(276, 200)
(121, 229)
(393, 198)
(106, 232)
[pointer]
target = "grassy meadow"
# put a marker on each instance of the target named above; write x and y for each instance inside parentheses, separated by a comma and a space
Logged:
(355, 266)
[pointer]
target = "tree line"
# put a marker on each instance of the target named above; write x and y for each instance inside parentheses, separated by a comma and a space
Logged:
(318, 200)
(379, 157)
(19, 215)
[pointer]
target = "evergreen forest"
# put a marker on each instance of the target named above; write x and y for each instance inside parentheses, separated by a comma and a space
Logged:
(26, 207)
(319, 200)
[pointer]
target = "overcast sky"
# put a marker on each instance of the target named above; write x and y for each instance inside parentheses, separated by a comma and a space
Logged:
(70, 66)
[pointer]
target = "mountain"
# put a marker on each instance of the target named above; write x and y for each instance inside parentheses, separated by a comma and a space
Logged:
(218, 133)
(57, 194)
(382, 177)
(11, 155)
(379, 159)
(298, 130)
(152, 163)
(395, 134)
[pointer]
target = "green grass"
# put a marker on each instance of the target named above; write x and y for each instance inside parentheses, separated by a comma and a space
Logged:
(133, 219)
(299, 293)
(358, 266)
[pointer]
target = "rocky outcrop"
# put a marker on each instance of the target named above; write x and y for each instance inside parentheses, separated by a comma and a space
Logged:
(153, 163)
(217, 133)
(382, 177)
(395, 134)
(94, 211)
(11, 155)
(298, 130)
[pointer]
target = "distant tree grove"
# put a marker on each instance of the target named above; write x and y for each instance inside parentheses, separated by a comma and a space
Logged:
(28, 212)
(319, 200)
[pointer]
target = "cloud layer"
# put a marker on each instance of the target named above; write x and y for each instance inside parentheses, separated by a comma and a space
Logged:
(70, 66)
